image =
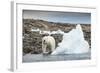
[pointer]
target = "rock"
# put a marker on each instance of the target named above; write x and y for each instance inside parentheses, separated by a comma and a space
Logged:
(32, 41)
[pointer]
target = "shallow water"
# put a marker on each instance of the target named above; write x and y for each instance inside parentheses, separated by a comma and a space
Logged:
(28, 58)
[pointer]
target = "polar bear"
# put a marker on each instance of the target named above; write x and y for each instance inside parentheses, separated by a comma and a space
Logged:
(48, 42)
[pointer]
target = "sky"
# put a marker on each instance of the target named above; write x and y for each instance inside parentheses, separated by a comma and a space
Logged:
(62, 17)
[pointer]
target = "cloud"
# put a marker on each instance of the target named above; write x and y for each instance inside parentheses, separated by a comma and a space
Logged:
(65, 17)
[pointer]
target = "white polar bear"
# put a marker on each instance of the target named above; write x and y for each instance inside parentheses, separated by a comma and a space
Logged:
(48, 42)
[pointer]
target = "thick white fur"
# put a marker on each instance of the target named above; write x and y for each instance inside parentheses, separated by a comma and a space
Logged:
(48, 40)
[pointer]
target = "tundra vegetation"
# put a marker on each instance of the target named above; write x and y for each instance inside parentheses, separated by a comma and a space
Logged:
(32, 39)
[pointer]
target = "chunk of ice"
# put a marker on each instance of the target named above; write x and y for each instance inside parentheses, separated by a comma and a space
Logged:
(73, 43)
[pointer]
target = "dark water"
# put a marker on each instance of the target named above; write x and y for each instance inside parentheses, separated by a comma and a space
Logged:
(41, 58)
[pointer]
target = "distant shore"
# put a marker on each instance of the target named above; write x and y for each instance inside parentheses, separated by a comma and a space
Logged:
(32, 41)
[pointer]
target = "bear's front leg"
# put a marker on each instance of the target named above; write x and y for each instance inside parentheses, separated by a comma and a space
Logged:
(44, 49)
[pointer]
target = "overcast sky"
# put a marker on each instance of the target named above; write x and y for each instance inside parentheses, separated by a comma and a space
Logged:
(64, 17)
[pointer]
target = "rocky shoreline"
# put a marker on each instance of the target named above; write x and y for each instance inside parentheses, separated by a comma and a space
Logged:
(32, 40)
